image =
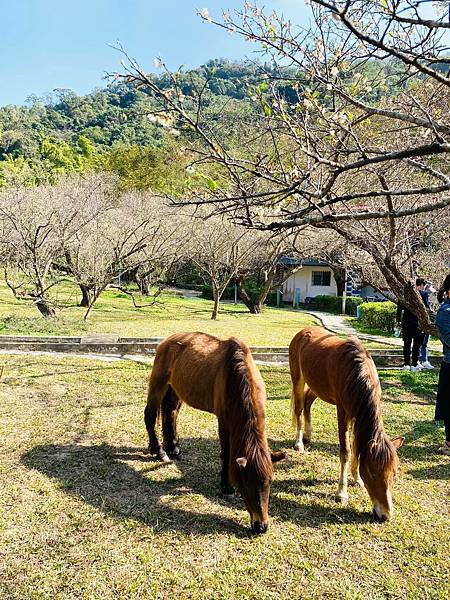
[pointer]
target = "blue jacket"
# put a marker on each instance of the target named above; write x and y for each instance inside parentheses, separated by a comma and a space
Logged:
(443, 326)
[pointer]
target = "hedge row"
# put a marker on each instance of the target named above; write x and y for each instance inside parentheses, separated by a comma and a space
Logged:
(333, 304)
(379, 315)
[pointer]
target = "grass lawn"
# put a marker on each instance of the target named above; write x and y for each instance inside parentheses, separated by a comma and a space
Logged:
(85, 514)
(114, 313)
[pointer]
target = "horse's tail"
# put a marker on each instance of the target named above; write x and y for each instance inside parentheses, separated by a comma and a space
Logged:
(297, 399)
(293, 407)
(298, 381)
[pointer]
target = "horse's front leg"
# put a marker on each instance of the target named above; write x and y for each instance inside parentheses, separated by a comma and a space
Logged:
(226, 489)
(355, 465)
(344, 455)
(297, 407)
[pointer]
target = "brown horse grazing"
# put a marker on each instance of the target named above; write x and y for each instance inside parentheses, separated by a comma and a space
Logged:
(218, 377)
(342, 373)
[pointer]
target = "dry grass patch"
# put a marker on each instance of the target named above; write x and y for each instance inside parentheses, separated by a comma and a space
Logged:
(85, 514)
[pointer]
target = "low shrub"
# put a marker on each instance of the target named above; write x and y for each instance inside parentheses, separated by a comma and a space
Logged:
(333, 304)
(379, 315)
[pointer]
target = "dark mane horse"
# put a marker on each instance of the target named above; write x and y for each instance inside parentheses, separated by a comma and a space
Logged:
(343, 373)
(218, 377)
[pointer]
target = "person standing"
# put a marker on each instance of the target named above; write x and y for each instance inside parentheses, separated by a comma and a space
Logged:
(410, 332)
(425, 293)
(443, 394)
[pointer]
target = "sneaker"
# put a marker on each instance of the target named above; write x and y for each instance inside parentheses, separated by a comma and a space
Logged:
(416, 368)
(445, 450)
(427, 365)
(406, 368)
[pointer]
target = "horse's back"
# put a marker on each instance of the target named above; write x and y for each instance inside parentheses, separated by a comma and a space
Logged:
(325, 361)
(197, 366)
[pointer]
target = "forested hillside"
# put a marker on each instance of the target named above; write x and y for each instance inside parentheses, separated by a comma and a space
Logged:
(65, 132)
(110, 127)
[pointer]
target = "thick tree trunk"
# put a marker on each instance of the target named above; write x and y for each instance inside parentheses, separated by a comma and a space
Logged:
(45, 309)
(256, 306)
(86, 295)
(403, 289)
(253, 307)
(339, 276)
(144, 286)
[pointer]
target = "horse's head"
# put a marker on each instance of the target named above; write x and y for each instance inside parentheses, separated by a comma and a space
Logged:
(254, 478)
(378, 467)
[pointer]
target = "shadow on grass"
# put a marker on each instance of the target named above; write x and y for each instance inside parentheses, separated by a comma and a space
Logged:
(70, 372)
(423, 384)
(428, 433)
(440, 471)
(100, 476)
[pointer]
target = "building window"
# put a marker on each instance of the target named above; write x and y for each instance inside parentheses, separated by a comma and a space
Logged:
(321, 278)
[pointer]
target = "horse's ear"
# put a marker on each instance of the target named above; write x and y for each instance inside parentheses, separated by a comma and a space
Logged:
(241, 462)
(398, 441)
(277, 456)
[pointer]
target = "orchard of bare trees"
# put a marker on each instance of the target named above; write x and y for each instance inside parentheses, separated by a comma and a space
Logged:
(84, 230)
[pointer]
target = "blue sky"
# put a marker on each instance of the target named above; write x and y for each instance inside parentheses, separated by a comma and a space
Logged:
(48, 44)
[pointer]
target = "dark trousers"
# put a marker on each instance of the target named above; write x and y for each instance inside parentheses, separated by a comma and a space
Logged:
(442, 412)
(411, 335)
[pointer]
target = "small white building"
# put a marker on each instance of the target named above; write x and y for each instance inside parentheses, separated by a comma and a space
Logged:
(312, 279)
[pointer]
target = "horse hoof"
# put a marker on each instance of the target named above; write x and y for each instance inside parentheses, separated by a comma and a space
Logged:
(229, 497)
(164, 458)
(228, 492)
(176, 453)
(341, 498)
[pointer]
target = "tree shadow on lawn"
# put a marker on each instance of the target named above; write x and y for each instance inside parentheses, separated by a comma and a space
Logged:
(423, 388)
(99, 476)
(439, 471)
(431, 435)
(75, 371)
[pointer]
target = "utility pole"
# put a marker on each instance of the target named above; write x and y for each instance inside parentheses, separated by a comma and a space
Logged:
(344, 293)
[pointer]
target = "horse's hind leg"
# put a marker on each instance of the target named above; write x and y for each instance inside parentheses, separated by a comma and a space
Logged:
(297, 407)
(344, 455)
(170, 408)
(157, 389)
(309, 399)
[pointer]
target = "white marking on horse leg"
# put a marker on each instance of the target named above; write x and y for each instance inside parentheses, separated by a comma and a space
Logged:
(299, 441)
